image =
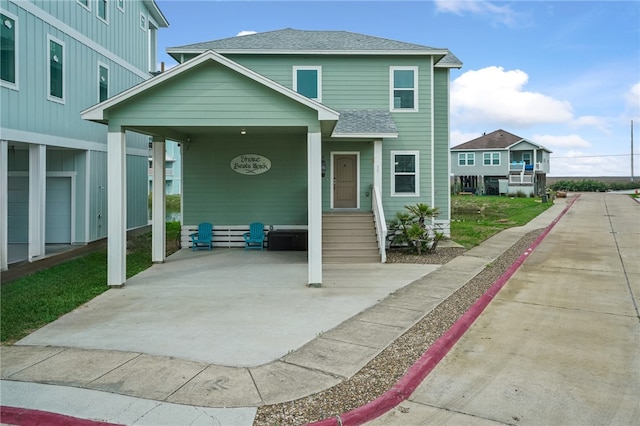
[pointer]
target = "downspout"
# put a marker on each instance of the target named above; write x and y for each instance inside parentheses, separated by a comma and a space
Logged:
(433, 143)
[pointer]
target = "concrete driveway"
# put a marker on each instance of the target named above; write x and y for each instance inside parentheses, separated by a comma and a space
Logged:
(227, 307)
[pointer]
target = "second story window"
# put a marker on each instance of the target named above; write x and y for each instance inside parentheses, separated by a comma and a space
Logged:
(404, 88)
(491, 158)
(121, 5)
(8, 50)
(466, 159)
(85, 4)
(307, 80)
(56, 70)
(103, 82)
(102, 10)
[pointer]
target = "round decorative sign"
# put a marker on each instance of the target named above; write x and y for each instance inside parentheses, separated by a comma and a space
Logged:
(250, 164)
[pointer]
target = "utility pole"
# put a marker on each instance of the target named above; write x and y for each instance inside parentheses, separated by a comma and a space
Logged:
(631, 150)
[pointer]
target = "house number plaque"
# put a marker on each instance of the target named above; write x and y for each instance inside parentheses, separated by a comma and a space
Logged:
(250, 164)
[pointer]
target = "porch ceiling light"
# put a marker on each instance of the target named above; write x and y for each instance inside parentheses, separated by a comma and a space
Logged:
(243, 132)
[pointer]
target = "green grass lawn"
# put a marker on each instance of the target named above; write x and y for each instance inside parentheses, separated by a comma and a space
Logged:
(476, 218)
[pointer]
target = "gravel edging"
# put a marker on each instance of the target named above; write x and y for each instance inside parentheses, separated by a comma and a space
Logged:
(384, 371)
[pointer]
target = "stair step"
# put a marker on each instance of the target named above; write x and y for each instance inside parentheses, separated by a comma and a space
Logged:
(349, 237)
(351, 259)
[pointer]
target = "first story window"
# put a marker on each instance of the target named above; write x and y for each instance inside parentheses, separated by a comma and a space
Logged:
(55, 70)
(404, 173)
(466, 159)
(491, 158)
(404, 88)
(103, 82)
(8, 49)
(307, 80)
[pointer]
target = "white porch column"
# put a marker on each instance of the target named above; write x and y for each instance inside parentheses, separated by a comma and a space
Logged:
(4, 205)
(116, 207)
(377, 164)
(314, 205)
(158, 213)
(37, 199)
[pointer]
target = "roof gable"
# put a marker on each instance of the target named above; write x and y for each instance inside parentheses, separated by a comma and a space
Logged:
(97, 112)
(498, 139)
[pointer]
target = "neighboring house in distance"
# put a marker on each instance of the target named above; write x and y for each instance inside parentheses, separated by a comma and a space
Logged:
(57, 59)
(301, 130)
(500, 163)
(173, 168)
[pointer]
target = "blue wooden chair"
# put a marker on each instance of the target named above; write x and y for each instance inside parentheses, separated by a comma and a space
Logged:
(254, 239)
(203, 238)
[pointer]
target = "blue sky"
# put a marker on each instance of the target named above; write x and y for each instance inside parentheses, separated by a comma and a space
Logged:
(564, 74)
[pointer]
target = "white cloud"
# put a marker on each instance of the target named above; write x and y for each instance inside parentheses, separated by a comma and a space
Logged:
(501, 14)
(245, 32)
(457, 137)
(563, 142)
(496, 97)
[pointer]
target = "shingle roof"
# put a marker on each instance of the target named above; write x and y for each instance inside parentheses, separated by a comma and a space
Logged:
(494, 140)
(289, 39)
(365, 123)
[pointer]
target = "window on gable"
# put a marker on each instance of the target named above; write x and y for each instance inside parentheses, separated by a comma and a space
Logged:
(404, 88)
(56, 71)
(308, 81)
(466, 159)
(8, 46)
(491, 158)
(103, 82)
(102, 10)
(404, 173)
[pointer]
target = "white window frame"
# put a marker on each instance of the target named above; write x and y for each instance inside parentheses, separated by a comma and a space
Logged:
(466, 156)
(50, 39)
(143, 21)
(8, 84)
(317, 68)
(416, 193)
(86, 6)
(105, 66)
(492, 156)
(392, 71)
(106, 11)
(120, 5)
(529, 156)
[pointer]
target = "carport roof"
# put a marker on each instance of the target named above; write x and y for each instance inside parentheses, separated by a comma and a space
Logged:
(97, 112)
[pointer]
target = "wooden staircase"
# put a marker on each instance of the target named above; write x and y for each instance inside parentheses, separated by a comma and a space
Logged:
(349, 237)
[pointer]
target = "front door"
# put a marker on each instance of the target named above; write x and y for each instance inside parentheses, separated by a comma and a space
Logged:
(345, 181)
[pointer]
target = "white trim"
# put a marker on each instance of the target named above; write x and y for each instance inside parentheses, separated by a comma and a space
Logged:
(433, 138)
(365, 135)
(50, 140)
(416, 76)
(106, 11)
(81, 38)
(317, 68)
(466, 159)
(37, 200)
(87, 6)
(158, 200)
(8, 85)
(333, 168)
(447, 230)
(87, 199)
(96, 112)
(120, 5)
(50, 97)
(105, 66)
(314, 207)
(116, 209)
(393, 173)
(438, 52)
(491, 154)
(4, 205)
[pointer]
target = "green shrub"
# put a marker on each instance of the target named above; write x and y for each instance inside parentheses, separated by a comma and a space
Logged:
(409, 229)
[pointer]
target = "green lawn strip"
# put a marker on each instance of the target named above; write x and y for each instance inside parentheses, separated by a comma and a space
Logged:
(476, 218)
(31, 302)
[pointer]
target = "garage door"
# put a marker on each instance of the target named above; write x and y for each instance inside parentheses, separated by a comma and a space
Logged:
(58, 221)
(18, 209)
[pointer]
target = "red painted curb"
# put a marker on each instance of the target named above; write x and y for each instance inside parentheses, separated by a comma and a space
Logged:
(427, 362)
(27, 417)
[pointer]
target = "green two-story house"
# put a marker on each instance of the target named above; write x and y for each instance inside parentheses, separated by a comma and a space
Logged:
(300, 130)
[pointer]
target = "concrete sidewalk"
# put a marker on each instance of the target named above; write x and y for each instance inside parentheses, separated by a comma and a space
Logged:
(134, 387)
(560, 344)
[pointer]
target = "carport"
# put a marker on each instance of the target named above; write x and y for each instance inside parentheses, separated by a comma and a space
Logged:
(207, 104)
